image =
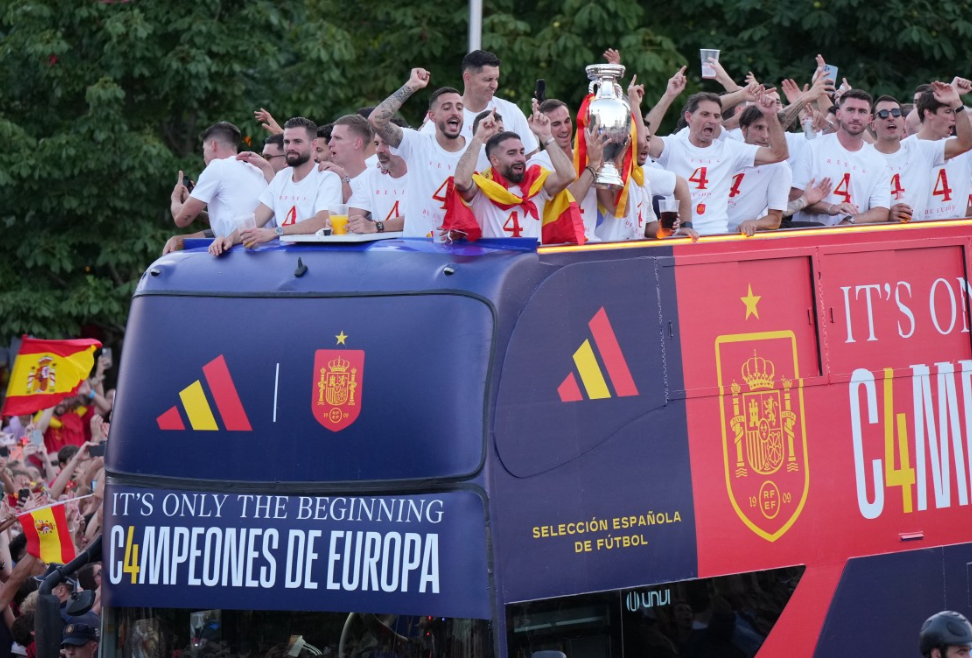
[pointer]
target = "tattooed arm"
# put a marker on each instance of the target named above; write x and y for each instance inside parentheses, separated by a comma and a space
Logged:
(382, 115)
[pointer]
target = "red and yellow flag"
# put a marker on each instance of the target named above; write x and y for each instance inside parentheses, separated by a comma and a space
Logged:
(562, 221)
(47, 371)
(48, 535)
(580, 153)
(459, 216)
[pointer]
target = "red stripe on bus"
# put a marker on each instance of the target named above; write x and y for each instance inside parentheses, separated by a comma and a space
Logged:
(568, 390)
(170, 420)
(607, 345)
(224, 393)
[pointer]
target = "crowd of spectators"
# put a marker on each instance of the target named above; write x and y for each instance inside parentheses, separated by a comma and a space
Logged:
(55, 455)
(751, 159)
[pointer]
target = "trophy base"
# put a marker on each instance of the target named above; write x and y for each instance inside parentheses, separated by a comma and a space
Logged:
(608, 177)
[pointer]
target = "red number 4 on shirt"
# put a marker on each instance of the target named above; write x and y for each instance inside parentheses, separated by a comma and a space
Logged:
(843, 188)
(698, 177)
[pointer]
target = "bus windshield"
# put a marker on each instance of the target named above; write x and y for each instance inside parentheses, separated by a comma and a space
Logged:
(158, 632)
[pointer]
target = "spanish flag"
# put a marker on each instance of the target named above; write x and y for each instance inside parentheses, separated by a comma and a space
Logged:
(47, 371)
(459, 216)
(48, 535)
(580, 153)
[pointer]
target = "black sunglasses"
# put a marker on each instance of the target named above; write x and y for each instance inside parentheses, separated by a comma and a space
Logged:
(884, 114)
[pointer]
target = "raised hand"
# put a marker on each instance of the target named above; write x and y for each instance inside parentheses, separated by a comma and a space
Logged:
(180, 192)
(792, 90)
(489, 127)
(676, 84)
(418, 79)
(636, 92)
(947, 94)
(612, 56)
(267, 121)
(961, 86)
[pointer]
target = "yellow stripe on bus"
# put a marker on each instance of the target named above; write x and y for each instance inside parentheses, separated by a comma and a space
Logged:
(197, 408)
(590, 372)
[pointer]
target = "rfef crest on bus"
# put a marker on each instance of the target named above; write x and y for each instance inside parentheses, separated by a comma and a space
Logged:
(763, 431)
(338, 379)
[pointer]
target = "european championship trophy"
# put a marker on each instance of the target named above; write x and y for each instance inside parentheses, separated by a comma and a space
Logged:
(610, 112)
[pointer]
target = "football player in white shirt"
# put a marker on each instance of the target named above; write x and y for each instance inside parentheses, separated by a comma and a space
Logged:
(709, 164)
(480, 79)
(298, 198)
(639, 220)
(507, 157)
(861, 192)
(582, 189)
(942, 114)
(431, 159)
(910, 161)
(378, 205)
(348, 144)
(758, 195)
(228, 187)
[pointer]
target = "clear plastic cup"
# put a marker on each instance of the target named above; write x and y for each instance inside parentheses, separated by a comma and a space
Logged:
(708, 72)
(244, 221)
(668, 212)
(339, 219)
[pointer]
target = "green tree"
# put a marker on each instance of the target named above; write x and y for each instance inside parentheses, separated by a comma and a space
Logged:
(102, 104)
(884, 47)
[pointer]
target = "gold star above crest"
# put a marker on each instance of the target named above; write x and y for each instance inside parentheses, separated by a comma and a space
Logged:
(750, 300)
(342, 336)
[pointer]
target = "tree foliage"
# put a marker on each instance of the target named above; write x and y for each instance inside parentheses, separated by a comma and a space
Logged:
(102, 103)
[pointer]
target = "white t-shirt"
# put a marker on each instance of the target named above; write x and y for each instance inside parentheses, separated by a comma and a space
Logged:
(796, 143)
(513, 121)
(380, 194)
(638, 212)
(230, 188)
(909, 171)
(859, 177)
(709, 172)
(372, 160)
(755, 190)
(295, 202)
(429, 169)
(949, 186)
(515, 222)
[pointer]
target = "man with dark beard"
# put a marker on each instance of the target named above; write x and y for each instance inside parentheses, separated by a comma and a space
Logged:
(862, 182)
(508, 198)
(297, 199)
(431, 159)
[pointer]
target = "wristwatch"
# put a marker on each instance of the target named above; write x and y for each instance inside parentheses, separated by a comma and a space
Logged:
(380, 226)
(347, 179)
(278, 231)
(847, 218)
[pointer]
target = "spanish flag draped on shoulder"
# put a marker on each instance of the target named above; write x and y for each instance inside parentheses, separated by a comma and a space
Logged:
(47, 371)
(561, 221)
(628, 164)
(48, 535)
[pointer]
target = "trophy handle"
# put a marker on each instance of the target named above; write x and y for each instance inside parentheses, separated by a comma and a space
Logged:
(591, 86)
(620, 92)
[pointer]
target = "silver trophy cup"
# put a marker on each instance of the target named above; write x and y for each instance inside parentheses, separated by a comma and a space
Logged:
(610, 112)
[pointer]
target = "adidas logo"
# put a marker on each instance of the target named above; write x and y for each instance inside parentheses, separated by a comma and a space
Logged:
(591, 375)
(197, 408)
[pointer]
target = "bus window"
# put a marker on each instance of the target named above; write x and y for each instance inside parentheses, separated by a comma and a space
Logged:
(729, 616)
(174, 633)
